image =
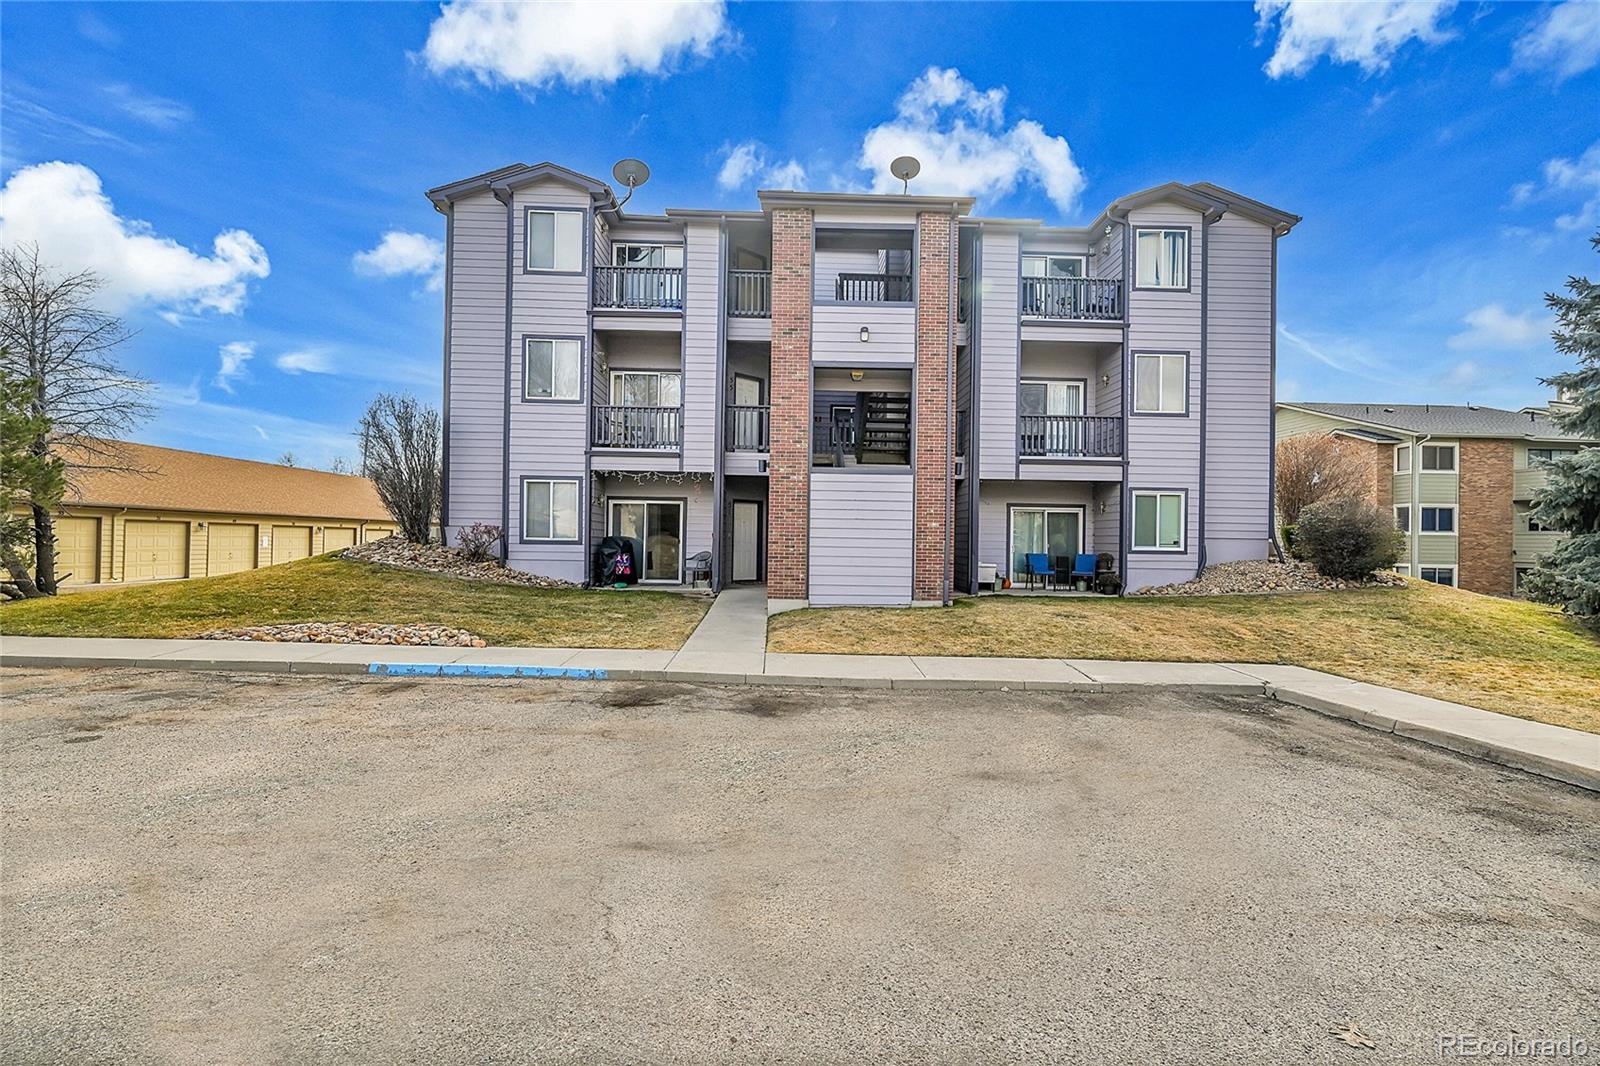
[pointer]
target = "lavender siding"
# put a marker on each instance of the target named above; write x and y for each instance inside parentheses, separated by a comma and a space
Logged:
(994, 514)
(860, 538)
(836, 334)
(702, 311)
(477, 360)
(999, 355)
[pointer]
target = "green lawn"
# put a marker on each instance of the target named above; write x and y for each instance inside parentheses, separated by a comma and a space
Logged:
(329, 589)
(1504, 655)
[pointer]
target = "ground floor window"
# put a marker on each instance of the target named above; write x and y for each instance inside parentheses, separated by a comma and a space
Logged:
(1439, 575)
(1158, 521)
(656, 527)
(1056, 532)
(1403, 568)
(1522, 575)
(549, 509)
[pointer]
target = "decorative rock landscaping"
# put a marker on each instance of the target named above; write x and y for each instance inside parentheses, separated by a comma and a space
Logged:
(352, 633)
(450, 562)
(1261, 576)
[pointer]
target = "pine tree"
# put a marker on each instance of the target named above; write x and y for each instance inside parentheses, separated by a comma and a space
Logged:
(1570, 501)
(27, 480)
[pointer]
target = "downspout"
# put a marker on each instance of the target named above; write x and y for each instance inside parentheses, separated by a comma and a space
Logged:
(444, 405)
(505, 196)
(1272, 410)
(974, 412)
(1125, 504)
(1205, 294)
(1416, 504)
(718, 444)
(948, 540)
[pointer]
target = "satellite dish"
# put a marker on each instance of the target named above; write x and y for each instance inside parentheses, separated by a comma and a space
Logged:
(632, 173)
(905, 168)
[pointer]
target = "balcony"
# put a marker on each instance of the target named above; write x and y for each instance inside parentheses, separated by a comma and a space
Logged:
(1072, 299)
(872, 288)
(636, 428)
(748, 427)
(1069, 436)
(638, 288)
(750, 294)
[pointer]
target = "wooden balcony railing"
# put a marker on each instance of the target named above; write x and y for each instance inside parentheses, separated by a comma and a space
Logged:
(1081, 299)
(750, 293)
(639, 428)
(872, 288)
(1066, 436)
(638, 288)
(748, 427)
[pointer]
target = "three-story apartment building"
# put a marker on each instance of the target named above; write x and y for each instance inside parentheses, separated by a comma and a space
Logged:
(858, 399)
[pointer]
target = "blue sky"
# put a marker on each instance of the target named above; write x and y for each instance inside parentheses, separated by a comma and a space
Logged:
(250, 179)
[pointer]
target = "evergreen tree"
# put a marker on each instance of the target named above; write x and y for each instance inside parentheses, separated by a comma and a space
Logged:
(1570, 502)
(27, 480)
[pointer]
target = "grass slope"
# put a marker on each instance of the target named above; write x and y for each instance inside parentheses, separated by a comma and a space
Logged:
(336, 590)
(1504, 655)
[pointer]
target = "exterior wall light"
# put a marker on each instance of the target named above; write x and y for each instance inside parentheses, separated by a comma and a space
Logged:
(866, 334)
(857, 375)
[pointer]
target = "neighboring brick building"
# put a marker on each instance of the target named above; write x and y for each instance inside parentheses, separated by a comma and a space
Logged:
(1460, 481)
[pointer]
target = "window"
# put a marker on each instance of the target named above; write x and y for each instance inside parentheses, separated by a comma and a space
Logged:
(1544, 455)
(1052, 266)
(1402, 518)
(1158, 521)
(1160, 383)
(1534, 526)
(555, 240)
(1056, 532)
(1522, 573)
(646, 388)
(1403, 568)
(1402, 459)
(552, 369)
(1439, 575)
(1438, 519)
(1438, 458)
(647, 255)
(1163, 259)
(549, 509)
(1052, 398)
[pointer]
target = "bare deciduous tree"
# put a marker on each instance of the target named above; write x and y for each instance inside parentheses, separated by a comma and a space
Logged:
(1317, 467)
(52, 335)
(288, 459)
(400, 440)
(340, 465)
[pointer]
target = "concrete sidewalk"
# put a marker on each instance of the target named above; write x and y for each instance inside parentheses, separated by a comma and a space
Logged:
(1566, 755)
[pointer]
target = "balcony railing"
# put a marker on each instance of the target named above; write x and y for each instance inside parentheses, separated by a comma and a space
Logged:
(872, 288)
(963, 431)
(638, 428)
(1069, 436)
(748, 427)
(750, 293)
(964, 297)
(636, 288)
(1080, 299)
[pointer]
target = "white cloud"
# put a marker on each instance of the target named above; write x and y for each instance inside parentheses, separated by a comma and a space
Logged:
(750, 163)
(61, 207)
(1492, 326)
(97, 30)
(1345, 355)
(400, 253)
(152, 110)
(1567, 179)
(1563, 40)
(1462, 374)
(958, 132)
(231, 360)
(1366, 32)
(533, 45)
(185, 419)
(305, 361)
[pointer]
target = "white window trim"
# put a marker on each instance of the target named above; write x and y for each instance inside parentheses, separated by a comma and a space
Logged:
(1402, 449)
(1455, 519)
(527, 359)
(1455, 457)
(616, 381)
(1082, 260)
(1406, 507)
(522, 524)
(527, 244)
(1183, 520)
(1162, 357)
(1455, 577)
(1188, 256)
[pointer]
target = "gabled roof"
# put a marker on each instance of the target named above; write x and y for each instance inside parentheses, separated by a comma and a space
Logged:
(1367, 434)
(1240, 204)
(508, 179)
(1442, 420)
(169, 479)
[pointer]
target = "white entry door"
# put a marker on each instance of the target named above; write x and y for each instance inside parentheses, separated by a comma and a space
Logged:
(746, 540)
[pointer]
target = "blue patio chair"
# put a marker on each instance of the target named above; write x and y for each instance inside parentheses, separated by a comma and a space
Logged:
(1083, 567)
(1038, 565)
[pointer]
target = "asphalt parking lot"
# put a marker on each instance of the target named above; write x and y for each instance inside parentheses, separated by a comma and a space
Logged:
(240, 868)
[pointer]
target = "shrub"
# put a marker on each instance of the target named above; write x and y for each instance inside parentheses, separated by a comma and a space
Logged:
(477, 541)
(1347, 538)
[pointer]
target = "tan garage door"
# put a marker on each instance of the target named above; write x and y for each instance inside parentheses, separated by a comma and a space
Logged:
(233, 548)
(290, 543)
(336, 537)
(152, 550)
(78, 550)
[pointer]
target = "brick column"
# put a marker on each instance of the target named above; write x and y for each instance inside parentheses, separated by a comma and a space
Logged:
(789, 452)
(1483, 533)
(933, 547)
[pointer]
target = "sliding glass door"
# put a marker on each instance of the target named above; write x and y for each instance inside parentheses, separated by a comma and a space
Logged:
(1054, 531)
(656, 526)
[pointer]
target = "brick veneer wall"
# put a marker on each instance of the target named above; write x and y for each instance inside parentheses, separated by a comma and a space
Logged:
(1378, 461)
(1483, 529)
(789, 451)
(934, 552)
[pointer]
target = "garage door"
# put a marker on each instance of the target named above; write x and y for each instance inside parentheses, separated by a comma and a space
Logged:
(233, 548)
(290, 543)
(153, 550)
(336, 537)
(78, 550)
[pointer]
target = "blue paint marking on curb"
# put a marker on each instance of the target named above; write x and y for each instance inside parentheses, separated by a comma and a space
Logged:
(473, 670)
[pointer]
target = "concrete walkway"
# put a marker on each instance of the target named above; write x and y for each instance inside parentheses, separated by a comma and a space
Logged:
(724, 653)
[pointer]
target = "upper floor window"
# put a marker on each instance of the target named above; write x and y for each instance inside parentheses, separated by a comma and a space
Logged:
(1402, 459)
(549, 509)
(1438, 458)
(552, 369)
(1160, 383)
(1158, 521)
(647, 255)
(1402, 517)
(555, 240)
(1162, 256)
(1544, 455)
(1052, 266)
(1438, 519)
